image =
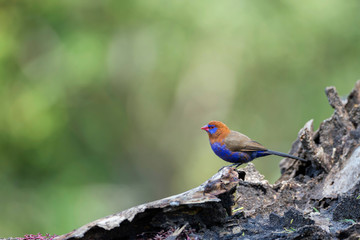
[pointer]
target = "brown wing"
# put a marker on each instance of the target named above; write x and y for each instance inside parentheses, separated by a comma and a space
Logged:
(238, 142)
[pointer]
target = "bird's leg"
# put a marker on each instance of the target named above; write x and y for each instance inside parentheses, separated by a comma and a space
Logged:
(234, 165)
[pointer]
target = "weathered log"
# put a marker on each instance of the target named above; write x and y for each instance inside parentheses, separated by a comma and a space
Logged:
(318, 199)
(207, 205)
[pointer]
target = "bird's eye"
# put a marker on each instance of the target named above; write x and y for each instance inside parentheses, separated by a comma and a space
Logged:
(211, 127)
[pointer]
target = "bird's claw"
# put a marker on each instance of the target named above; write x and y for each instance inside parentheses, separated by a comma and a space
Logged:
(234, 165)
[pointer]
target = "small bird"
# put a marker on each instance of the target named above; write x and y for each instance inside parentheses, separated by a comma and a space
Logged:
(236, 147)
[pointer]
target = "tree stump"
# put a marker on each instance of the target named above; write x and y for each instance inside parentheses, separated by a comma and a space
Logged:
(317, 199)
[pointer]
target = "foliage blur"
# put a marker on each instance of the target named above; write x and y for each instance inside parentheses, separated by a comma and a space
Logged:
(102, 101)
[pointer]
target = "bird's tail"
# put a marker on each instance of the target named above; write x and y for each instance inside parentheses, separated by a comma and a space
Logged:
(285, 155)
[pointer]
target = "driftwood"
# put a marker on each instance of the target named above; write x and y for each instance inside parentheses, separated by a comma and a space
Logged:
(318, 199)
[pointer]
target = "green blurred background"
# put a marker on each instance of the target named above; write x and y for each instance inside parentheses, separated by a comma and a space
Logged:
(102, 101)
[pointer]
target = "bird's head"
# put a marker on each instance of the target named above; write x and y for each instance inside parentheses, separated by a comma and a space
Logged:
(216, 129)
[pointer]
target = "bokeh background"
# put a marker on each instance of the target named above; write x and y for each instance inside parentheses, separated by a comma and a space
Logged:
(102, 101)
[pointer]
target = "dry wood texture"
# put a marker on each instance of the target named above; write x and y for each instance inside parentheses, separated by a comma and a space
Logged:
(318, 199)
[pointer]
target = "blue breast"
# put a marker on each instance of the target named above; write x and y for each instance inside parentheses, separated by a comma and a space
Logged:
(235, 157)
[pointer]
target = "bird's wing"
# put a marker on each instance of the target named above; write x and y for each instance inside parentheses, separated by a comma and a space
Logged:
(238, 142)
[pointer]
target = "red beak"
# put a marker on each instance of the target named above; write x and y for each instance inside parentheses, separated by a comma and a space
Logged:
(206, 128)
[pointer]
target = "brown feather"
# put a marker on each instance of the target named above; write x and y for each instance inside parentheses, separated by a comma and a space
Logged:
(233, 140)
(238, 142)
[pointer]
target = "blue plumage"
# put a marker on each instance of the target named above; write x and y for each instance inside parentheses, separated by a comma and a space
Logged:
(235, 147)
(235, 157)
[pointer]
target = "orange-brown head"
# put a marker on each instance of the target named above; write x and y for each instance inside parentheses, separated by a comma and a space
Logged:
(216, 130)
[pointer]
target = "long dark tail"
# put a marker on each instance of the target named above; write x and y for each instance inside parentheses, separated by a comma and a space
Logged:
(285, 155)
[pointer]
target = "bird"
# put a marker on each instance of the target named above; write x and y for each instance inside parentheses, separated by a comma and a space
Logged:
(235, 147)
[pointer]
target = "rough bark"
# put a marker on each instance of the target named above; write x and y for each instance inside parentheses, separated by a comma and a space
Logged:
(317, 199)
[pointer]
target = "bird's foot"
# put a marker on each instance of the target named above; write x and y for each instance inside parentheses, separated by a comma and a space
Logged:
(234, 165)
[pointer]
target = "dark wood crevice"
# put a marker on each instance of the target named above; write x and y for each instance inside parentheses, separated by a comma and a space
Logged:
(318, 199)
